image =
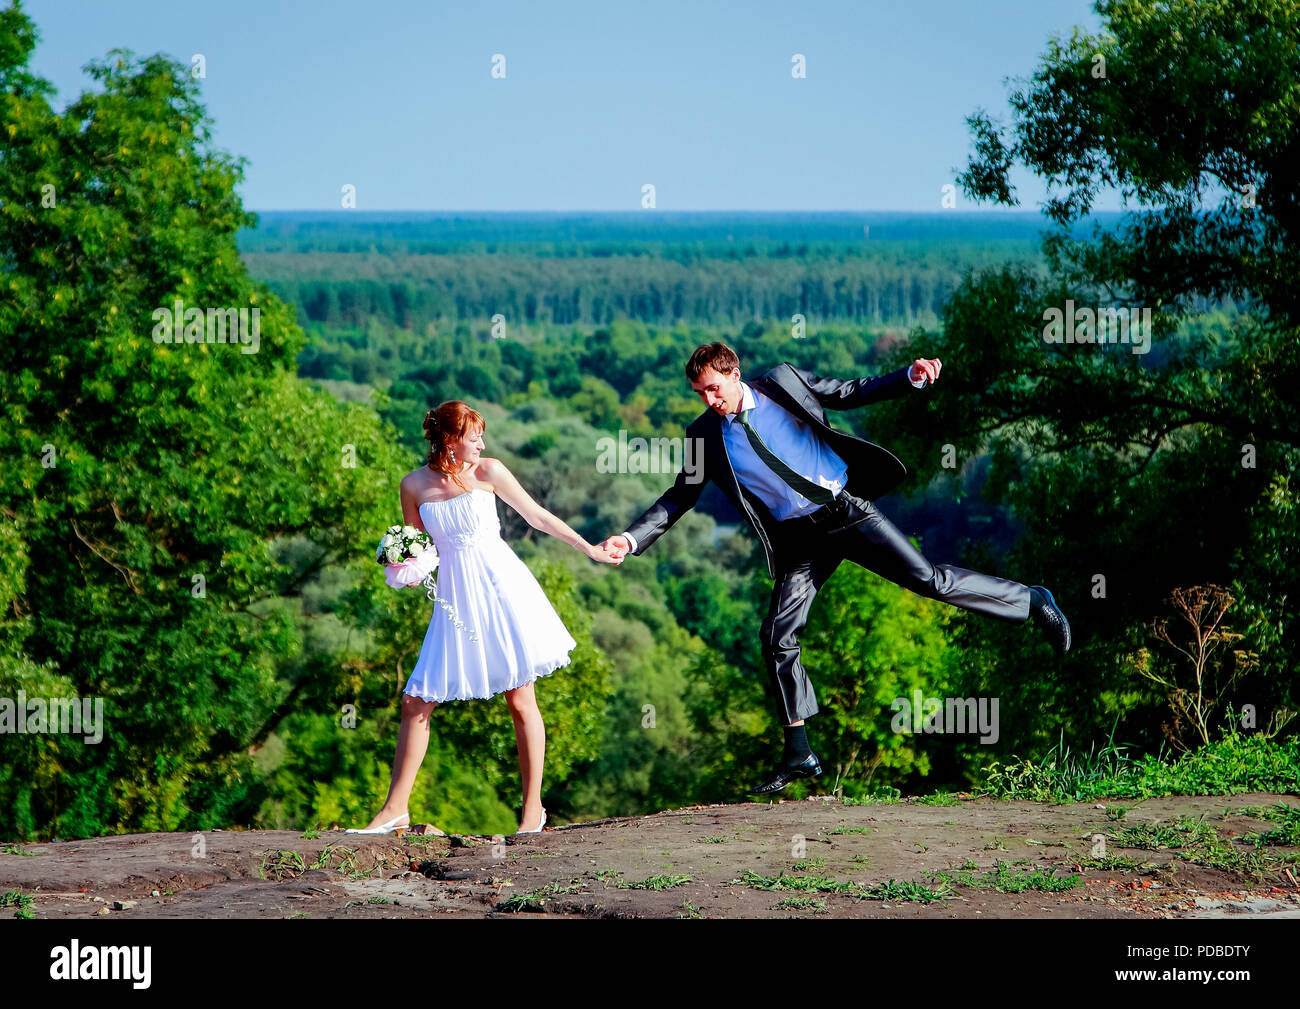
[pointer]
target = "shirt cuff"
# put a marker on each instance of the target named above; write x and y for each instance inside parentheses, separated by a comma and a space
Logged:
(920, 384)
(631, 539)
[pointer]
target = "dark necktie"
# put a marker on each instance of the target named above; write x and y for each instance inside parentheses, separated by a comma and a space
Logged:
(813, 492)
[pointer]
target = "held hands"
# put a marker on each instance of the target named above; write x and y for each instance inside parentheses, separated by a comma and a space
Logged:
(605, 553)
(924, 368)
(616, 547)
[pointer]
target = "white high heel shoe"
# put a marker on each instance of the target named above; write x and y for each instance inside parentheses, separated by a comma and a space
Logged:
(394, 824)
(539, 826)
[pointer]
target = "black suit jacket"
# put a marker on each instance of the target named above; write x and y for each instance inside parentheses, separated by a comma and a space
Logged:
(872, 470)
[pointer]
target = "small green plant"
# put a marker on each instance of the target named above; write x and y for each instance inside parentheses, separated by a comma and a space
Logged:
(1287, 833)
(22, 901)
(689, 910)
(939, 799)
(1003, 878)
(535, 900)
(1116, 863)
(428, 841)
(879, 797)
(851, 830)
(281, 864)
(655, 883)
(344, 860)
(895, 890)
(1186, 832)
(712, 840)
(823, 884)
(810, 863)
(799, 903)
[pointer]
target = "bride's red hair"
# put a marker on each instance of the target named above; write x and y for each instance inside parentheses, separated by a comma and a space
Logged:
(444, 425)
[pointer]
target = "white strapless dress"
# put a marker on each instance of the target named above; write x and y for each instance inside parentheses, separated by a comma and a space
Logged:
(492, 628)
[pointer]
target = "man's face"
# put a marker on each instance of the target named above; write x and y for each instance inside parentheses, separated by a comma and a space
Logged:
(721, 393)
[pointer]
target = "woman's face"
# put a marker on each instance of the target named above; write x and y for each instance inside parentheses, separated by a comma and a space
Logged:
(468, 448)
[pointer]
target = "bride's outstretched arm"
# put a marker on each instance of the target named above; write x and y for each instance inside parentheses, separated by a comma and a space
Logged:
(513, 494)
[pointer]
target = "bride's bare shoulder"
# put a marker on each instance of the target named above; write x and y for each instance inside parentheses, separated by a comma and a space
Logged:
(417, 478)
(489, 471)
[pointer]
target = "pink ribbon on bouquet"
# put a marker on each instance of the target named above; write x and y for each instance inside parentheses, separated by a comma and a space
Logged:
(413, 571)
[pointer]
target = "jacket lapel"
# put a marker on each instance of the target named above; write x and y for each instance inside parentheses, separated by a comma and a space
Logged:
(790, 393)
(716, 448)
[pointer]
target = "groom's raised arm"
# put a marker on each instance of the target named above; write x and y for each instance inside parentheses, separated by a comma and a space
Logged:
(836, 395)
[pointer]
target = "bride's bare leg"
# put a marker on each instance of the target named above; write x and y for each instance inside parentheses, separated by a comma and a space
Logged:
(412, 744)
(530, 736)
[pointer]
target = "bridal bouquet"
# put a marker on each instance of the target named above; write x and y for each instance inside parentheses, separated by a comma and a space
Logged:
(408, 555)
(409, 558)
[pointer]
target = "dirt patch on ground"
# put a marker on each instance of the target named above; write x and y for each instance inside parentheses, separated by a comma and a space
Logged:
(811, 858)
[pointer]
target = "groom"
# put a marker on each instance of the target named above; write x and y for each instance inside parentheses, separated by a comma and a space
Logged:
(807, 491)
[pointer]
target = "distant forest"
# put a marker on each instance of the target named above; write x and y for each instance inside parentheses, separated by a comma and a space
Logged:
(538, 270)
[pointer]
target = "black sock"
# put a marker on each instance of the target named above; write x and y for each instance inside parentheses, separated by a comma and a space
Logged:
(796, 743)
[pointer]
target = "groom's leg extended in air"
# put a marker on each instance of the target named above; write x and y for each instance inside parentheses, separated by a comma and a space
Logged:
(808, 557)
(876, 544)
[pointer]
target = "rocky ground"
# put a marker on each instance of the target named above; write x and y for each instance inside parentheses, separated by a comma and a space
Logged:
(1176, 857)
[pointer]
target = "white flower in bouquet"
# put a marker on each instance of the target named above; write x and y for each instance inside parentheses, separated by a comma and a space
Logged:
(403, 543)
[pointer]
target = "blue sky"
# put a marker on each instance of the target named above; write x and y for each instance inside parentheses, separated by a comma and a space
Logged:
(697, 98)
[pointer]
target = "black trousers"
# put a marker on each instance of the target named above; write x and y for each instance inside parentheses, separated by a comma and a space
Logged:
(808, 553)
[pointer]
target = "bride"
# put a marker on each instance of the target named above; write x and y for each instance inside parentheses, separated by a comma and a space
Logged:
(493, 630)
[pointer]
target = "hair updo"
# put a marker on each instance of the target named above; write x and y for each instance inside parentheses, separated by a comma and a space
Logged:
(444, 425)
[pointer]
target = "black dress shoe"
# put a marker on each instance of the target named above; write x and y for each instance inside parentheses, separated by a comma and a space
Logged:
(1048, 616)
(783, 773)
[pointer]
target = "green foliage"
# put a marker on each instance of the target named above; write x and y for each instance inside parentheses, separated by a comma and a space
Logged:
(1237, 762)
(1135, 474)
(151, 465)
